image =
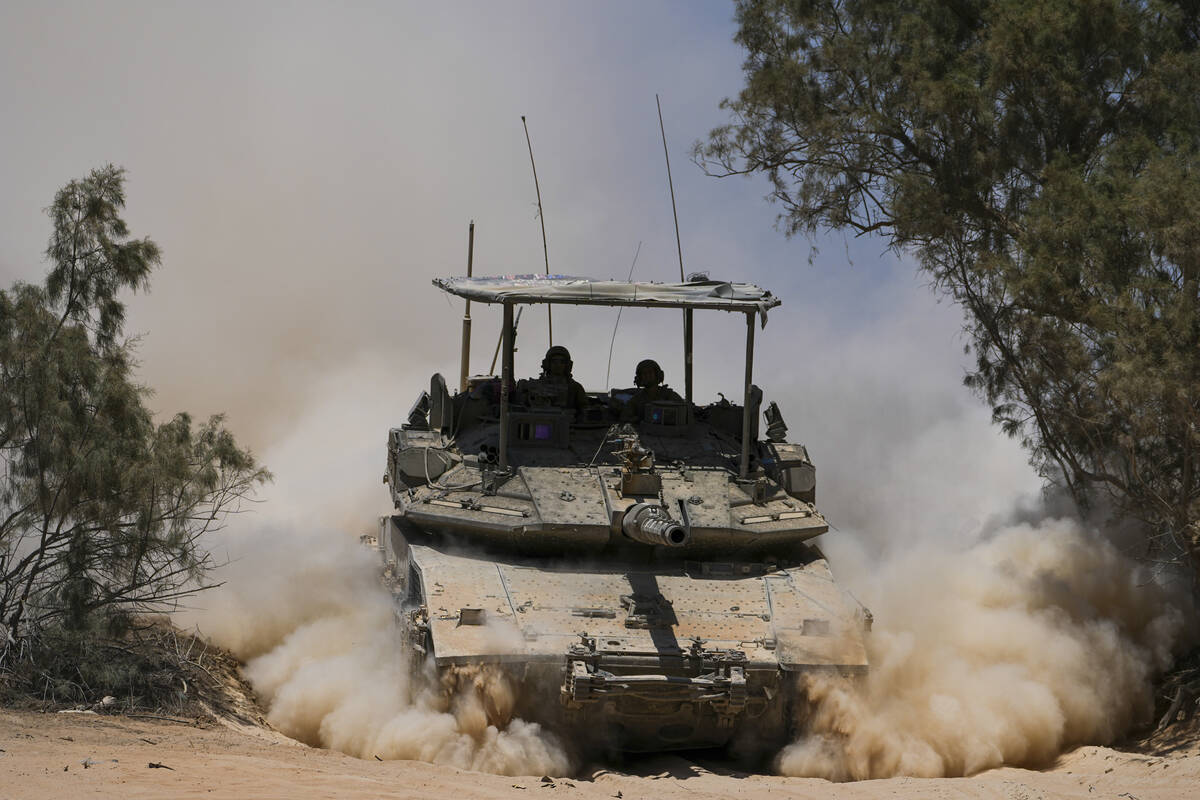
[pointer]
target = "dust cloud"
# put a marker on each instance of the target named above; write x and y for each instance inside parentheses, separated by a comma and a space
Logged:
(1037, 638)
(309, 618)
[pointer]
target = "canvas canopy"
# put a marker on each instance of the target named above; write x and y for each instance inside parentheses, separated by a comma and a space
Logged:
(565, 289)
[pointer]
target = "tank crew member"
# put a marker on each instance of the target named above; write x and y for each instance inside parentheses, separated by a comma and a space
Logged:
(648, 378)
(555, 384)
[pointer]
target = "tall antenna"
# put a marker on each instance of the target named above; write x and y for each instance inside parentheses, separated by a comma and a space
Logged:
(542, 219)
(687, 312)
(465, 360)
(613, 340)
(670, 183)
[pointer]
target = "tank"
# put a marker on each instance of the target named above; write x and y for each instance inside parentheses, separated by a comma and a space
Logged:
(642, 566)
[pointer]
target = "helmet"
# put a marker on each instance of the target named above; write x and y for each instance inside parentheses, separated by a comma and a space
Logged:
(560, 351)
(651, 364)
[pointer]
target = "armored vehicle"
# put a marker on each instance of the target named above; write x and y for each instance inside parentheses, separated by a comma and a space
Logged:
(641, 565)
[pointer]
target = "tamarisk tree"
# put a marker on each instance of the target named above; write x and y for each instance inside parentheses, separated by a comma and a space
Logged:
(103, 512)
(1040, 160)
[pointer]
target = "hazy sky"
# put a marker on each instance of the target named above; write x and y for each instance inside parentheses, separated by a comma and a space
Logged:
(308, 168)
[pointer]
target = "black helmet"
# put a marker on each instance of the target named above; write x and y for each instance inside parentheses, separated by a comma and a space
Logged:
(652, 364)
(557, 350)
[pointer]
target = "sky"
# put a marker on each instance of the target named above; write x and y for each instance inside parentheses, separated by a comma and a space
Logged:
(308, 168)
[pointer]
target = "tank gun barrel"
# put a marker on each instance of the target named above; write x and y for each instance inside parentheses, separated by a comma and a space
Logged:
(649, 524)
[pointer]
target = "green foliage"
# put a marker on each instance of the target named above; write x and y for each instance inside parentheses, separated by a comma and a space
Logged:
(90, 262)
(102, 511)
(1041, 160)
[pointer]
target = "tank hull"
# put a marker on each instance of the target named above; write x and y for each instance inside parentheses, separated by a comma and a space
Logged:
(627, 655)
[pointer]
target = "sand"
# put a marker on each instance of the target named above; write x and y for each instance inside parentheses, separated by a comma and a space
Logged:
(42, 756)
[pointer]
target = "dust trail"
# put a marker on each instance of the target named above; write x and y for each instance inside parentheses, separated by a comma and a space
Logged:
(307, 615)
(1038, 638)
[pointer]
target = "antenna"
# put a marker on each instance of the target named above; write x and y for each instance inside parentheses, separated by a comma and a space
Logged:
(687, 312)
(542, 219)
(613, 340)
(671, 184)
(464, 368)
(500, 341)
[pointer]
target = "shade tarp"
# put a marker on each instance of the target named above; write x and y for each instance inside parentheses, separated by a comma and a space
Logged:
(565, 289)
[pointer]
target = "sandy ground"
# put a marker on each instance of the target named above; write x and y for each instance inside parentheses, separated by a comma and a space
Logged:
(43, 755)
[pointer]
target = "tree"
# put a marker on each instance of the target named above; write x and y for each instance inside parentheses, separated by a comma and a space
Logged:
(1040, 161)
(103, 512)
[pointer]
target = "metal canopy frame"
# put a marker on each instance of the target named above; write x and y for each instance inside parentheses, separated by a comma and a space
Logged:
(568, 290)
(556, 289)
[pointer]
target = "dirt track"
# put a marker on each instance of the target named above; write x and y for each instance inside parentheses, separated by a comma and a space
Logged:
(42, 757)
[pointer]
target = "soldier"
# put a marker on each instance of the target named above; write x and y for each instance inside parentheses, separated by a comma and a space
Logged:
(648, 377)
(555, 383)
